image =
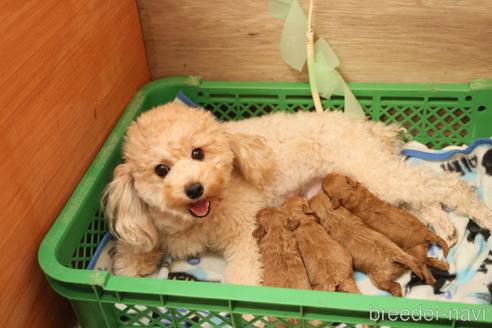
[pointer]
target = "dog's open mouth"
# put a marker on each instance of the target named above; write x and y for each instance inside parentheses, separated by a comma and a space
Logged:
(200, 209)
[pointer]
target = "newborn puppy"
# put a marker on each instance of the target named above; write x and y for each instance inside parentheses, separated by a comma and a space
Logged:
(401, 227)
(328, 264)
(373, 253)
(282, 264)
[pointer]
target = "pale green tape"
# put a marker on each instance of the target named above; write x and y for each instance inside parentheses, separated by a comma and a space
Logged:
(293, 51)
(324, 54)
(293, 39)
(279, 8)
(328, 80)
(352, 106)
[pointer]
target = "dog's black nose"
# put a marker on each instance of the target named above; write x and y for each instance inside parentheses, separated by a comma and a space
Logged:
(194, 190)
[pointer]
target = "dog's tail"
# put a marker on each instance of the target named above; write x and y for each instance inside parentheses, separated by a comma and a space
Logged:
(435, 239)
(348, 286)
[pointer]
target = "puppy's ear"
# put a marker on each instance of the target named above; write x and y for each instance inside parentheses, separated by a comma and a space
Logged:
(326, 184)
(252, 157)
(306, 208)
(351, 182)
(259, 233)
(127, 215)
(335, 203)
(293, 224)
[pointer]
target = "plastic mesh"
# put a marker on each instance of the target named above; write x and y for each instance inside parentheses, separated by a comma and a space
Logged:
(143, 316)
(435, 122)
(88, 243)
(139, 315)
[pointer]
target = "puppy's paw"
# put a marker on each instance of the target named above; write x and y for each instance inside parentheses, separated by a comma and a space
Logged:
(428, 277)
(436, 263)
(328, 284)
(395, 290)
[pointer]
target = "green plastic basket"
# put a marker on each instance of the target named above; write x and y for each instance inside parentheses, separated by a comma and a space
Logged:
(435, 114)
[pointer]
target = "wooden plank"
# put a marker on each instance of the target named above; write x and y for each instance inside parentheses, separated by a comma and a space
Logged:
(68, 69)
(391, 41)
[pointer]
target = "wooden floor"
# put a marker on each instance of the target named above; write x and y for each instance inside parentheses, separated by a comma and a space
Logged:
(67, 70)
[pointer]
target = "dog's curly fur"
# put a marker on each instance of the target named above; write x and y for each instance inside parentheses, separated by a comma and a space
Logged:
(282, 263)
(249, 165)
(328, 264)
(434, 216)
(401, 227)
(372, 252)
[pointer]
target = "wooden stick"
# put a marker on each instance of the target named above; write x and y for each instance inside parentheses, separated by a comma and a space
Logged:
(310, 60)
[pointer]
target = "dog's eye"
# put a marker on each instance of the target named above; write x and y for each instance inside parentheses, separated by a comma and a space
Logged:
(161, 170)
(197, 153)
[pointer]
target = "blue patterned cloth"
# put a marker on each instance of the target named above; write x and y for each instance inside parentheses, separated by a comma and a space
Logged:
(469, 279)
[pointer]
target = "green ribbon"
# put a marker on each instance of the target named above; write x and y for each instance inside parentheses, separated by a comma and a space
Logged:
(293, 38)
(293, 52)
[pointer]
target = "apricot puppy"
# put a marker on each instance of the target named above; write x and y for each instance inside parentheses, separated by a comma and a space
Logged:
(328, 264)
(373, 253)
(282, 263)
(401, 227)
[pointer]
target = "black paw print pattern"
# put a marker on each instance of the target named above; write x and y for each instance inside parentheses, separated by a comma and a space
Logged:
(487, 162)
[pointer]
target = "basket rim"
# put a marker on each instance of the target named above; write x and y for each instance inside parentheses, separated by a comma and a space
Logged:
(201, 290)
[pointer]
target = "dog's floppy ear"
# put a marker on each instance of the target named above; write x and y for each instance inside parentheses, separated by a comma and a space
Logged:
(252, 157)
(127, 214)
(259, 233)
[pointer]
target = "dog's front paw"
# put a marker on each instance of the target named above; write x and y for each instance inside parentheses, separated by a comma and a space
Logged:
(439, 221)
(122, 267)
(127, 262)
(242, 276)
(243, 260)
(242, 279)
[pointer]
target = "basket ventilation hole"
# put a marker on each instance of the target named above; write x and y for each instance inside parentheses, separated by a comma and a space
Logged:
(468, 98)
(481, 108)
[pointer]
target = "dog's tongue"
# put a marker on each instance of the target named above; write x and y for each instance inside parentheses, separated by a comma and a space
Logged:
(200, 209)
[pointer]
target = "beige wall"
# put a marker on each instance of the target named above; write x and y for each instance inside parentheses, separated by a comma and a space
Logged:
(385, 40)
(67, 70)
